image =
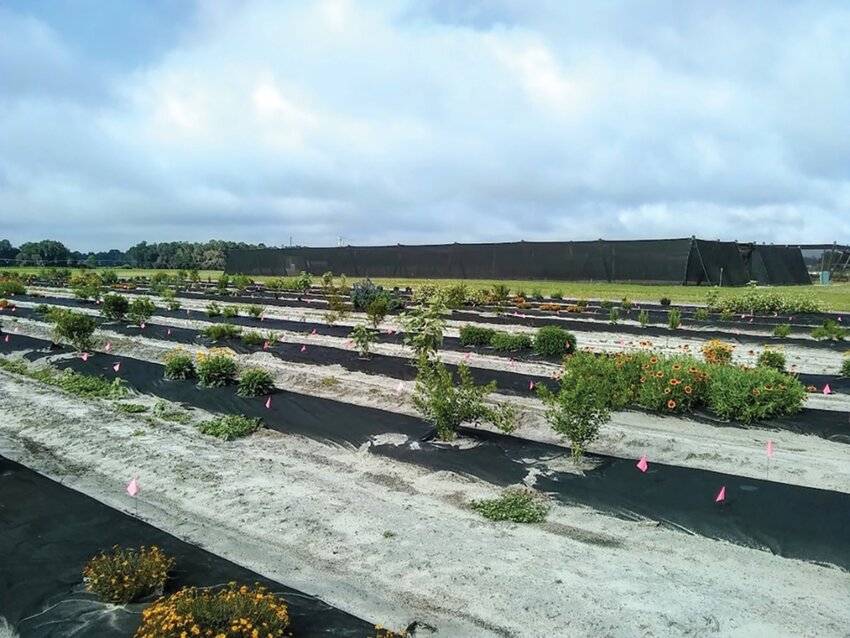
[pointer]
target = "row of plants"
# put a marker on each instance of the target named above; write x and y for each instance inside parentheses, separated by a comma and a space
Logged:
(550, 341)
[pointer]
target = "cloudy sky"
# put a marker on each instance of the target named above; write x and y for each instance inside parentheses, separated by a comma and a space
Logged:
(423, 121)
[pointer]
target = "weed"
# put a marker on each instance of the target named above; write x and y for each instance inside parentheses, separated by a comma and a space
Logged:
(845, 367)
(131, 408)
(168, 412)
(88, 387)
(255, 382)
(228, 312)
(515, 504)
(252, 338)
(328, 382)
(254, 311)
(230, 426)
(388, 534)
(213, 309)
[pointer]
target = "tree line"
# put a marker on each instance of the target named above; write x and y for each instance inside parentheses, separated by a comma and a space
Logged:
(208, 255)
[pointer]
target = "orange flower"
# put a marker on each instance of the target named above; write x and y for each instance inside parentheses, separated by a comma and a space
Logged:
(676, 366)
(674, 381)
(688, 389)
(756, 392)
(671, 404)
(643, 379)
(659, 374)
(654, 360)
(644, 366)
(667, 390)
(767, 388)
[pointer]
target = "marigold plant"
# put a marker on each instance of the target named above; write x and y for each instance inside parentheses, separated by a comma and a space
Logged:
(716, 351)
(232, 612)
(126, 575)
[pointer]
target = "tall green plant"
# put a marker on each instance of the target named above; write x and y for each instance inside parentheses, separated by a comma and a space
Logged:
(423, 328)
(363, 338)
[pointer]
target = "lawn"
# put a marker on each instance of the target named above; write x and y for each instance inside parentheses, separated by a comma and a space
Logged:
(835, 296)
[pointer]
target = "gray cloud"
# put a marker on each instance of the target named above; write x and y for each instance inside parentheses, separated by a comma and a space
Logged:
(441, 121)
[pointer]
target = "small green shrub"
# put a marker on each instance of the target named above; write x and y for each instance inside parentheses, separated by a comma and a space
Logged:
(674, 318)
(254, 311)
(255, 382)
(447, 406)
(606, 304)
(216, 370)
(845, 367)
(614, 315)
(772, 359)
(228, 312)
(727, 315)
(141, 310)
(115, 307)
(516, 505)
(363, 338)
(73, 327)
(665, 301)
(423, 328)
(126, 575)
(701, 314)
(213, 309)
(501, 292)
(230, 427)
(511, 341)
(86, 285)
(222, 331)
(582, 303)
(179, 365)
(252, 338)
(377, 310)
(553, 341)
(303, 282)
(753, 394)
(109, 276)
(557, 294)
(643, 318)
(41, 309)
(782, 330)
(472, 335)
(830, 330)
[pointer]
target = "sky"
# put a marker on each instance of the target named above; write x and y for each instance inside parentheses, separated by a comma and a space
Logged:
(427, 121)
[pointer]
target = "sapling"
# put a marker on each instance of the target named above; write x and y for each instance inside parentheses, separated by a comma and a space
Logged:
(363, 338)
(578, 410)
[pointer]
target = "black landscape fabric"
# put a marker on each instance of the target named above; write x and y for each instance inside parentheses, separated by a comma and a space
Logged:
(48, 533)
(789, 520)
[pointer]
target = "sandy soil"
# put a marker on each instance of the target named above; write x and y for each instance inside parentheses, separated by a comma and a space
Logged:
(394, 543)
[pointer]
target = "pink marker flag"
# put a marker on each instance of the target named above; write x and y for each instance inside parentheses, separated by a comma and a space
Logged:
(85, 356)
(680, 325)
(303, 348)
(721, 495)
(187, 311)
(268, 402)
(468, 356)
(142, 325)
(265, 345)
(14, 308)
(262, 318)
(389, 331)
(769, 448)
(108, 346)
(840, 319)
(6, 338)
(117, 366)
(349, 344)
(642, 465)
(168, 332)
(314, 332)
(17, 329)
(133, 488)
(400, 387)
(531, 385)
(827, 389)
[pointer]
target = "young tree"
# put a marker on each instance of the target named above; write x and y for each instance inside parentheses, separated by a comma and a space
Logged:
(423, 328)
(577, 411)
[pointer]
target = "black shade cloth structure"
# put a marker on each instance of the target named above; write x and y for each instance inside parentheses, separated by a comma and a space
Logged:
(48, 532)
(775, 265)
(677, 261)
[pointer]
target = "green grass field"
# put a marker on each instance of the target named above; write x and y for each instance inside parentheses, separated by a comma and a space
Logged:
(835, 296)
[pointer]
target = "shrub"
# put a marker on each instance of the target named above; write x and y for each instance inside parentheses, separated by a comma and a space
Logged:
(228, 312)
(751, 394)
(782, 330)
(701, 314)
(453, 295)
(109, 276)
(115, 307)
(365, 293)
(41, 309)
(845, 367)
(169, 412)
(726, 315)
(216, 369)
(501, 292)
(554, 341)
(616, 377)
(73, 327)
(515, 504)
(241, 282)
(303, 282)
(230, 426)
(557, 294)
(511, 341)
(772, 359)
(127, 575)
(665, 301)
(179, 365)
(830, 330)
(643, 318)
(472, 335)
(213, 309)
(377, 310)
(672, 384)
(255, 382)
(614, 315)
(716, 351)
(252, 338)
(141, 310)
(254, 311)
(582, 303)
(223, 283)
(86, 286)
(12, 287)
(606, 304)
(626, 303)
(423, 328)
(222, 331)
(674, 318)
(363, 338)
(447, 406)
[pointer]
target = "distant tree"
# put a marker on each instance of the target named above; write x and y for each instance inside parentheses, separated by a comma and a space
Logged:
(47, 252)
(7, 252)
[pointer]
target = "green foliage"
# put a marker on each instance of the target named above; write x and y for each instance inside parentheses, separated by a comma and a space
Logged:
(447, 406)
(536, 294)
(241, 282)
(86, 386)
(672, 384)
(168, 412)
(252, 338)
(363, 338)
(377, 310)
(141, 310)
(179, 365)
(626, 303)
(109, 276)
(772, 359)
(727, 315)
(665, 301)
(511, 341)
(423, 328)
(845, 367)
(453, 296)
(553, 341)
(606, 304)
(701, 314)
(643, 318)
(557, 294)
(501, 292)
(126, 575)
(472, 335)
(230, 426)
(131, 408)
(216, 370)
(159, 277)
(516, 505)
(223, 283)
(303, 282)
(10, 287)
(752, 394)
(753, 300)
(115, 307)
(73, 327)
(86, 285)
(830, 330)
(213, 309)
(614, 315)
(616, 376)
(365, 294)
(41, 309)
(674, 318)
(222, 331)
(228, 312)
(255, 382)
(254, 311)
(782, 330)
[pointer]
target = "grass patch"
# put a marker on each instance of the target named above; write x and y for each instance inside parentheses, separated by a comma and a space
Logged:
(230, 426)
(515, 504)
(131, 408)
